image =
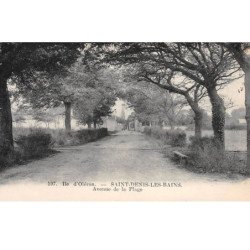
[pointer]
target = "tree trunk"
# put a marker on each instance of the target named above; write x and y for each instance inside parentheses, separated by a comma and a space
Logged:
(172, 127)
(218, 117)
(160, 123)
(6, 135)
(247, 102)
(94, 124)
(171, 124)
(67, 116)
(198, 117)
(89, 125)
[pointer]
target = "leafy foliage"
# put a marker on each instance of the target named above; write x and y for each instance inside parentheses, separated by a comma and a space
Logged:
(206, 155)
(61, 138)
(23, 59)
(175, 138)
(98, 99)
(154, 105)
(34, 145)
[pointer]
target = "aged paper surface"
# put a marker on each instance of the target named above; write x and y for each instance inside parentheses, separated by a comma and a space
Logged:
(154, 129)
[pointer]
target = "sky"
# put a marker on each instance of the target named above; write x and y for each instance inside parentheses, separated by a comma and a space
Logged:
(235, 91)
(117, 109)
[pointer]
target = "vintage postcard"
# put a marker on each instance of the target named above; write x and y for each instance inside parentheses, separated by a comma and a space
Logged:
(125, 121)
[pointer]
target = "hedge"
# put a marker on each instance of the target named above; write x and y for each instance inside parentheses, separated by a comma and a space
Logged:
(176, 138)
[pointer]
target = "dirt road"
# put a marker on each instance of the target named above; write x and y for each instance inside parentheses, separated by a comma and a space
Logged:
(121, 157)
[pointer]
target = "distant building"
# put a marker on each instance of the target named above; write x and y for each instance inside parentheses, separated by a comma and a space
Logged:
(135, 125)
(110, 123)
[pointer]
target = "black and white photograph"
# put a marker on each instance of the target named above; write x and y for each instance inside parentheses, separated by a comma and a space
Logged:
(125, 120)
(124, 124)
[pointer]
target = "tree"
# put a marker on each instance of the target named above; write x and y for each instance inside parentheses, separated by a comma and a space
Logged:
(42, 116)
(96, 104)
(209, 65)
(98, 98)
(19, 61)
(146, 63)
(45, 91)
(154, 105)
(241, 53)
(212, 67)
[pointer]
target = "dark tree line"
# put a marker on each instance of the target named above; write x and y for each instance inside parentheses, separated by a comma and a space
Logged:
(189, 69)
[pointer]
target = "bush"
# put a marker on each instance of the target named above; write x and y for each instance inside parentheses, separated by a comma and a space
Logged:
(158, 133)
(176, 138)
(203, 142)
(206, 155)
(34, 145)
(102, 132)
(147, 130)
(63, 138)
(5, 162)
(88, 135)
